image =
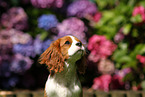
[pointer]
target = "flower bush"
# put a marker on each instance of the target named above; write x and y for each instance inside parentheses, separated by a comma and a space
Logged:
(111, 30)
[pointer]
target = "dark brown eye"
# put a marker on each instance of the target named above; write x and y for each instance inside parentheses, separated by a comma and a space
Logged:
(67, 42)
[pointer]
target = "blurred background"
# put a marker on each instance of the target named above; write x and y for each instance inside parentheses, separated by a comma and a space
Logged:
(113, 31)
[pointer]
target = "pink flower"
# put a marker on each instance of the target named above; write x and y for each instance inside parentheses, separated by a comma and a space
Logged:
(119, 36)
(106, 66)
(116, 82)
(97, 16)
(141, 59)
(102, 82)
(139, 10)
(100, 48)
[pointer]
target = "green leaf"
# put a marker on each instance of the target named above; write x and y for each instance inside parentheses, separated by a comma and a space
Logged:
(127, 28)
(139, 49)
(128, 77)
(119, 54)
(143, 84)
(125, 59)
(43, 35)
(136, 19)
(135, 33)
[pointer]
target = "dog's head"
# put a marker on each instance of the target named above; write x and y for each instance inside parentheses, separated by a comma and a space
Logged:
(61, 50)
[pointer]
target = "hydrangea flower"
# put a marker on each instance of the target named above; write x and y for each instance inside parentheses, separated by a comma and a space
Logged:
(40, 46)
(106, 66)
(139, 10)
(15, 18)
(25, 49)
(81, 8)
(72, 26)
(47, 21)
(100, 48)
(47, 3)
(20, 63)
(46, 43)
(14, 36)
(102, 82)
(5, 69)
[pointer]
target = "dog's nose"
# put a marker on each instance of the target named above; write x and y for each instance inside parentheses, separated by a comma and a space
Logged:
(79, 44)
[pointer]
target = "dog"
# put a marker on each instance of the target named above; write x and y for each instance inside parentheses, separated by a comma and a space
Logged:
(64, 58)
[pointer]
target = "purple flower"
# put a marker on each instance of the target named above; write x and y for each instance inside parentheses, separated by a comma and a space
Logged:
(5, 69)
(119, 36)
(46, 44)
(81, 8)
(47, 3)
(5, 46)
(25, 49)
(72, 26)
(10, 82)
(47, 21)
(20, 64)
(14, 36)
(40, 46)
(15, 18)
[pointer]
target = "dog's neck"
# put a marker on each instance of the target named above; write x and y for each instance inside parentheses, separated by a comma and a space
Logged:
(68, 76)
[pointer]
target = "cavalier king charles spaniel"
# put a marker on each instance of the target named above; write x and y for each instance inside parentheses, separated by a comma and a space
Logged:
(64, 58)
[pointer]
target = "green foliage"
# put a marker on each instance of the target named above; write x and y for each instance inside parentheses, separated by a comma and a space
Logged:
(117, 14)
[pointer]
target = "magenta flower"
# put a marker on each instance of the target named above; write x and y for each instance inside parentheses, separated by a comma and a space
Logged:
(102, 82)
(139, 10)
(100, 48)
(117, 79)
(47, 3)
(141, 59)
(15, 18)
(97, 16)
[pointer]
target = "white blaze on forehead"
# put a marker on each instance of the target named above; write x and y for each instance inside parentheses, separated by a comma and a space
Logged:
(74, 48)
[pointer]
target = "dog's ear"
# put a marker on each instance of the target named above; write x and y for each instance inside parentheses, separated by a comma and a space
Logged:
(81, 65)
(53, 58)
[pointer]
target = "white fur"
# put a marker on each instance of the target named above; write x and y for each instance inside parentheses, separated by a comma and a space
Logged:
(66, 83)
(73, 49)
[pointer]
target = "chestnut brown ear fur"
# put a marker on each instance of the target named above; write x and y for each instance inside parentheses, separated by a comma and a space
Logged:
(81, 65)
(53, 58)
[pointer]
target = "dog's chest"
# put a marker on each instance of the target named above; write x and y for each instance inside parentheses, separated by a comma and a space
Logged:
(53, 89)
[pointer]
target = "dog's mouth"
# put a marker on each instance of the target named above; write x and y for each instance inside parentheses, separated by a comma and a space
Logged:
(82, 52)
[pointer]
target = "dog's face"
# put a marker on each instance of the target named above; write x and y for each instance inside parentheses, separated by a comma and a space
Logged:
(72, 47)
(68, 47)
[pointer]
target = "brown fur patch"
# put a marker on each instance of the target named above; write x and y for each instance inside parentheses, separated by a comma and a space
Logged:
(56, 54)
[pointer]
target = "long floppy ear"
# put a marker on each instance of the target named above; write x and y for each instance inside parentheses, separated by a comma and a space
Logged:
(81, 65)
(53, 58)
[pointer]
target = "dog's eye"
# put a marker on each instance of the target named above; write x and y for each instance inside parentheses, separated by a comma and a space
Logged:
(67, 42)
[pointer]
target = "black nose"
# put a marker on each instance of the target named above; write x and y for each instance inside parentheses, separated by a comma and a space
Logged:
(79, 44)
